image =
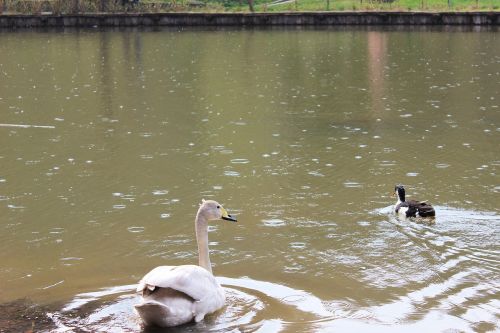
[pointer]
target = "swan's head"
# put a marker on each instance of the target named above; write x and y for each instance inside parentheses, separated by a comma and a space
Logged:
(212, 210)
(399, 192)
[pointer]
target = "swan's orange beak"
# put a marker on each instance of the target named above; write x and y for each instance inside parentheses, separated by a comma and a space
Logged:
(226, 216)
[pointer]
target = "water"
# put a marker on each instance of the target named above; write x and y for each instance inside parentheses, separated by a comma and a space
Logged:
(111, 138)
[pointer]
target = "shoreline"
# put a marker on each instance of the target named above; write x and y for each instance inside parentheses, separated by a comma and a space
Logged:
(23, 315)
(47, 20)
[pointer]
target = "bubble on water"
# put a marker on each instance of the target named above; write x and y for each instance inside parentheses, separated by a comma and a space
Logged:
(298, 245)
(315, 174)
(240, 161)
(15, 207)
(442, 165)
(351, 184)
(273, 222)
(135, 229)
(387, 163)
(56, 231)
(412, 174)
(160, 192)
(164, 215)
(68, 260)
(230, 173)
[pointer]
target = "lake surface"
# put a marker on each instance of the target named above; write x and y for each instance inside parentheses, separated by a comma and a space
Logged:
(111, 138)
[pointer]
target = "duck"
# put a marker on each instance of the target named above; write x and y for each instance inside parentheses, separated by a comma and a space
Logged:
(411, 208)
(176, 295)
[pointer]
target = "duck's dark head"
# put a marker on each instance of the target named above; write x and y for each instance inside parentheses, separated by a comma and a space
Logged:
(399, 191)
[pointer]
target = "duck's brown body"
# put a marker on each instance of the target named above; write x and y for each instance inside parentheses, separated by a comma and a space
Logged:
(411, 208)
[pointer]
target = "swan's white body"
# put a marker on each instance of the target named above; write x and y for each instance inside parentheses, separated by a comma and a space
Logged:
(175, 295)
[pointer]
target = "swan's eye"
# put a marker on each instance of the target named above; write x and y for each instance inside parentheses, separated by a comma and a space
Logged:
(218, 207)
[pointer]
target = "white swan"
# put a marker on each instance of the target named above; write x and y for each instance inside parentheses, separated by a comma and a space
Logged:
(175, 295)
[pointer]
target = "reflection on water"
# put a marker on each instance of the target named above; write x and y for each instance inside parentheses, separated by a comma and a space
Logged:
(110, 139)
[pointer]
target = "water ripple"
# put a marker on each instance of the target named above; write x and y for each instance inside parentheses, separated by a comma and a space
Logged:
(251, 305)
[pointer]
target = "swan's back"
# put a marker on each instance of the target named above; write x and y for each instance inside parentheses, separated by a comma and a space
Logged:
(165, 307)
(174, 295)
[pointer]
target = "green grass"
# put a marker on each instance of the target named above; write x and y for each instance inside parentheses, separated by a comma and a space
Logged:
(397, 5)
(357, 5)
(86, 6)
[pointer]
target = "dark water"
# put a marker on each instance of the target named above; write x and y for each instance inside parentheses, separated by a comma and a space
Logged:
(110, 139)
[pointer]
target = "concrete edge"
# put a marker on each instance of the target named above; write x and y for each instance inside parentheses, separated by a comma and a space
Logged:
(250, 19)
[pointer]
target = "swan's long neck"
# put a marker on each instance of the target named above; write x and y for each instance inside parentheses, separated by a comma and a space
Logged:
(202, 239)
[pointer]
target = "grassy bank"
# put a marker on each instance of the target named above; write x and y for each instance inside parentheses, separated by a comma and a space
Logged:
(147, 6)
(389, 5)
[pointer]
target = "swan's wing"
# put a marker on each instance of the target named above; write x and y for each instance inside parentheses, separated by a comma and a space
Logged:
(194, 281)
